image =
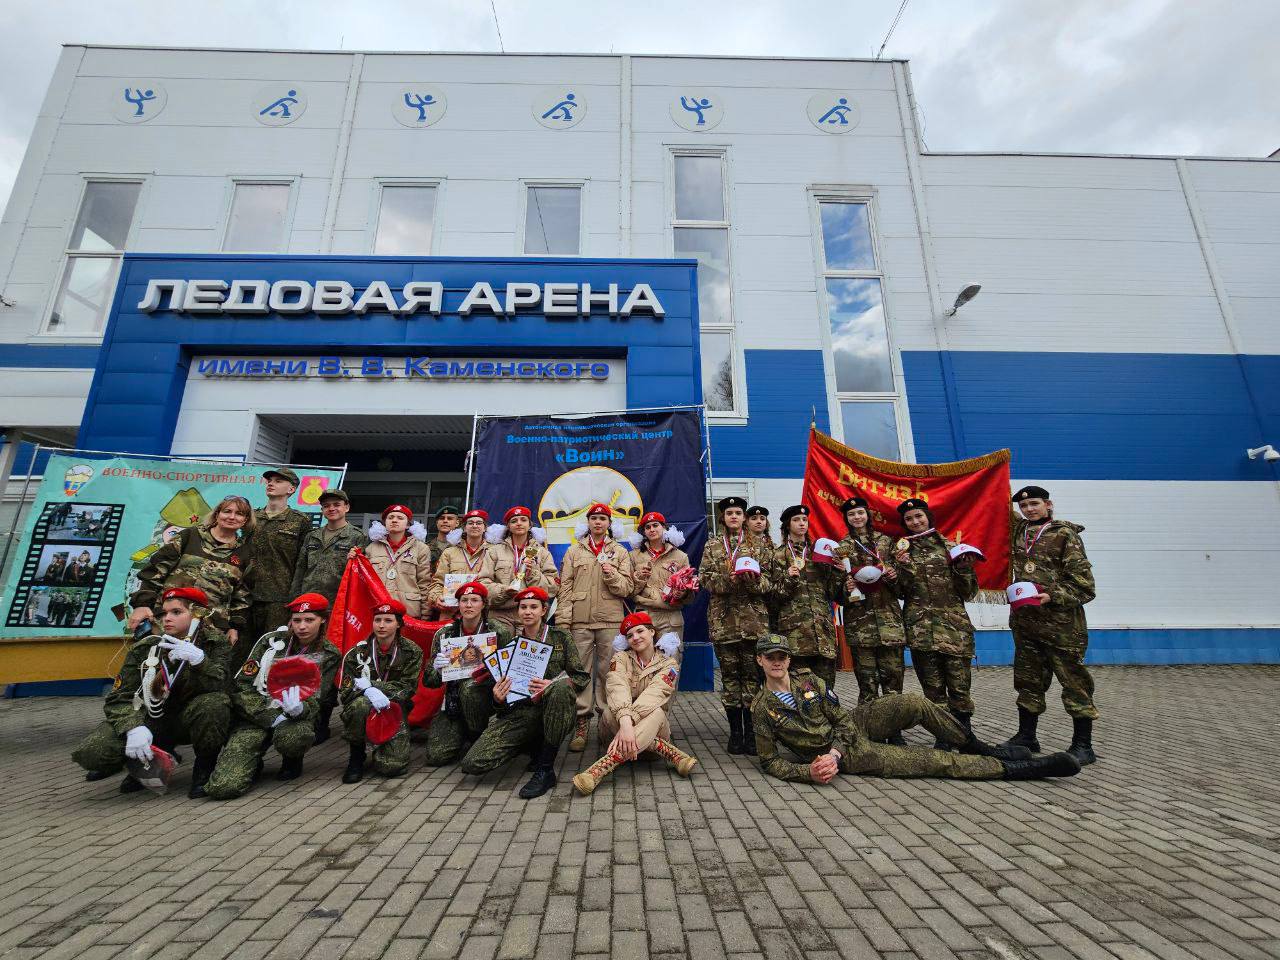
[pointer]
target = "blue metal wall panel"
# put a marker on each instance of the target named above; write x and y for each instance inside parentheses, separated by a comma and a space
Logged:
(1101, 416)
(47, 355)
(783, 389)
(1260, 645)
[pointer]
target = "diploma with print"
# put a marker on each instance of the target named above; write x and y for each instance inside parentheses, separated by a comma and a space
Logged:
(452, 581)
(465, 654)
(529, 660)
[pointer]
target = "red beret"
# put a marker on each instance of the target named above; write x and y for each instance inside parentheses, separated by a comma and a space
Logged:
(517, 512)
(599, 508)
(536, 592)
(653, 516)
(397, 508)
(309, 603)
(194, 594)
(391, 606)
(476, 512)
(639, 618)
(473, 588)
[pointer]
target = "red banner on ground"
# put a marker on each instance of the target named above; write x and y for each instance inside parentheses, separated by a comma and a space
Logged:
(969, 499)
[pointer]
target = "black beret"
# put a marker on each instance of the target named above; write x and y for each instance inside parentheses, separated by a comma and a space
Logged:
(728, 502)
(799, 510)
(757, 511)
(1031, 493)
(912, 504)
(854, 502)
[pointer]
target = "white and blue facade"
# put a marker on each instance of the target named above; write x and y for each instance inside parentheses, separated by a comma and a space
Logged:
(1124, 346)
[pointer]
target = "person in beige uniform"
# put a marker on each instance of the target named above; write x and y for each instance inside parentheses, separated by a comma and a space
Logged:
(656, 557)
(467, 559)
(400, 555)
(642, 676)
(595, 578)
(520, 559)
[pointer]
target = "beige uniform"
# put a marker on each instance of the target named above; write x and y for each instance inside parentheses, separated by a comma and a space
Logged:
(591, 607)
(641, 693)
(411, 564)
(651, 575)
(539, 571)
(458, 559)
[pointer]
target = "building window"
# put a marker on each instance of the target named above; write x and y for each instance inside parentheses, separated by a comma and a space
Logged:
(256, 223)
(406, 220)
(553, 220)
(866, 391)
(93, 258)
(700, 231)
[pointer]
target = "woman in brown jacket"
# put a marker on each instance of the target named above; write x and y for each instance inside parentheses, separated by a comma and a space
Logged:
(656, 557)
(642, 676)
(400, 554)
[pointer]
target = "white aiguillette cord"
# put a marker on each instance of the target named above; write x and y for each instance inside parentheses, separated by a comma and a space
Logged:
(268, 657)
(155, 705)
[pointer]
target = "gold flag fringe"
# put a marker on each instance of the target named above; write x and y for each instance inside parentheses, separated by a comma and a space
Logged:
(954, 469)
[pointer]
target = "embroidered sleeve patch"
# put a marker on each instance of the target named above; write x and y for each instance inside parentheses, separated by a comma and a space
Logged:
(250, 668)
(831, 695)
(669, 678)
(118, 683)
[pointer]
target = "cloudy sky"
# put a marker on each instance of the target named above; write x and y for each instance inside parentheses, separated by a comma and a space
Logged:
(1113, 76)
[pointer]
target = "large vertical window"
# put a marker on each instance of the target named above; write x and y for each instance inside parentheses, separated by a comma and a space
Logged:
(553, 220)
(860, 355)
(256, 223)
(700, 231)
(406, 220)
(93, 258)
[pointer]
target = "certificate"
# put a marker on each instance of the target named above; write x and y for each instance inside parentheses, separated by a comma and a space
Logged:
(529, 659)
(465, 654)
(452, 581)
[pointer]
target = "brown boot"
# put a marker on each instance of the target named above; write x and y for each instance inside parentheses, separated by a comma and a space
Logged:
(683, 763)
(591, 777)
(579, 741)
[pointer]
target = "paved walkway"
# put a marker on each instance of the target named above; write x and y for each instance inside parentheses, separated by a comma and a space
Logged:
(1168, 848)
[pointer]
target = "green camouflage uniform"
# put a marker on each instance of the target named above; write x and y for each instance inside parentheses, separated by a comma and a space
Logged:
(396, 674)
(194, 558)
(938, 626)
(437, 547)
(451, 730)
(525, 725)
(322, 560)
(803, 610)
(873, 625)
(277, 545)
(197, 710)
(1051, 640)
(817, 723)
(255, 728)
(738, 615)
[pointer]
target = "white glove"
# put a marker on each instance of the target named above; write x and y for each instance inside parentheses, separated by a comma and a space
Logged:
(291, 702)
(184, 650)
(442, 660)
(362, 684)
(137, 744)
(377, 699)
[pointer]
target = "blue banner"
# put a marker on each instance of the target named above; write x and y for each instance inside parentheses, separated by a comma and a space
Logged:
(635, 462)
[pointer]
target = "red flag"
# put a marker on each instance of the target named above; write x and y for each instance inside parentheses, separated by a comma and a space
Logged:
(969, 499)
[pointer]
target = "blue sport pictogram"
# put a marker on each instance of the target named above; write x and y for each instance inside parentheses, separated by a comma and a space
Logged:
(562, 110)
(421, 104)
(280, 108)
(838, 114)
(138, 99)
(698, 105)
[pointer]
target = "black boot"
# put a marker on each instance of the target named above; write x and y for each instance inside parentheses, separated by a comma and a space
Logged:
(1037, 768)
(544, 774)
(1082, 741)
(322, 722)
(355, 765)
(975, 746)
(200, 774)
(735, 730)
(290, 768)
(93, 776)
(130, 785)
(1026, 735)
(896, 740)
(748, 733)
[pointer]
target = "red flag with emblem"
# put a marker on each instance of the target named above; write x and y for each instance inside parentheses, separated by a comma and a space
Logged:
(969, 500)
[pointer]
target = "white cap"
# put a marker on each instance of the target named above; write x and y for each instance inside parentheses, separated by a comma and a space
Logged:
(1022, 594)
(746, 565)
(824, 550)
(966, 549)
(869, 576)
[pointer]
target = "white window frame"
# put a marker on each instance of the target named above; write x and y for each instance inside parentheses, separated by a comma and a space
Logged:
(738, 415)
(375, 209)
(68, 254)
(286, 236)
(866, 195)
(522, 215)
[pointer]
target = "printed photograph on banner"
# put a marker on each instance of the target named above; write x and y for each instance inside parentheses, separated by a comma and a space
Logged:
(78, 521)
(566, 500)
(465, 654)
(63, 563)
(55, 607)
